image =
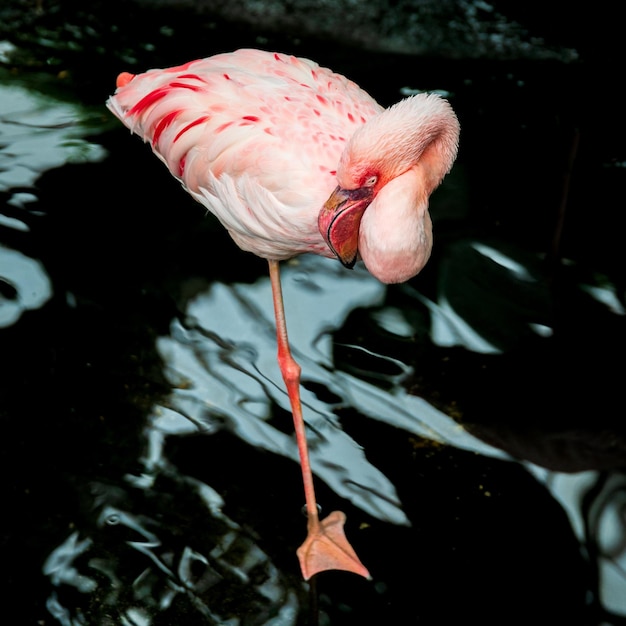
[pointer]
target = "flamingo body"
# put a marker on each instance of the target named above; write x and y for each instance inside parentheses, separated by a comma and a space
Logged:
(256, 137)
(293, 158)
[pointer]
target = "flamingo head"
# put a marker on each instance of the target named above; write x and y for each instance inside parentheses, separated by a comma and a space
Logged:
(386, 173)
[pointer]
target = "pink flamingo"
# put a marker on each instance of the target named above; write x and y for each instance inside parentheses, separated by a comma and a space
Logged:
(293, 158)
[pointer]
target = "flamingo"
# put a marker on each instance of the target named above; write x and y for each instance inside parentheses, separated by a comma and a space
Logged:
(293, 158)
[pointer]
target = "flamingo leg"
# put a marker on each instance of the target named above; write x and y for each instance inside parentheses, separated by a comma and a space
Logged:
(326, 546)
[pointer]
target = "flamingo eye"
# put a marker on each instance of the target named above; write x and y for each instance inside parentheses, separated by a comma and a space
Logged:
(371, 181)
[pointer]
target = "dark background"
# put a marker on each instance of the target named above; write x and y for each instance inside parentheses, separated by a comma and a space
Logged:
(540, 175)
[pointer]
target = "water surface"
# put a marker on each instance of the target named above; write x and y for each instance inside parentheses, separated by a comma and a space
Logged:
(469, 423)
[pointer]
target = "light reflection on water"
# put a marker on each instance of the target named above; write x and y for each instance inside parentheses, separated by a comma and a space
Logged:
(37, 133)
(29, 285)
(220, 382)
(221, 361)
(222, 364)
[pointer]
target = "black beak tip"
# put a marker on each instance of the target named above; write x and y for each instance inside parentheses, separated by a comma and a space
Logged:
(348, 264)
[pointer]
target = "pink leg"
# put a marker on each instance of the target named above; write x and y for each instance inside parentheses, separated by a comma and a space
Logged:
(326, 546)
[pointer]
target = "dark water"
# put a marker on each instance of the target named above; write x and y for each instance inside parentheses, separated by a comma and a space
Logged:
(470, 423)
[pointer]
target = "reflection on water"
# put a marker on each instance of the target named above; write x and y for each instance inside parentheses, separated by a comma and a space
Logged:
(203, 522)
(227, 369)
(221, 362)
(23, 285)
(37, 133)
(596, 507)
(153, 575)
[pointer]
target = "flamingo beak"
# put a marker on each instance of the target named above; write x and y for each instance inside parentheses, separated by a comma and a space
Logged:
(339, 221)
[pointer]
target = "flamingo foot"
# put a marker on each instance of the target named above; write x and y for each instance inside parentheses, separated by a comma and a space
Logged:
(327, 548)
